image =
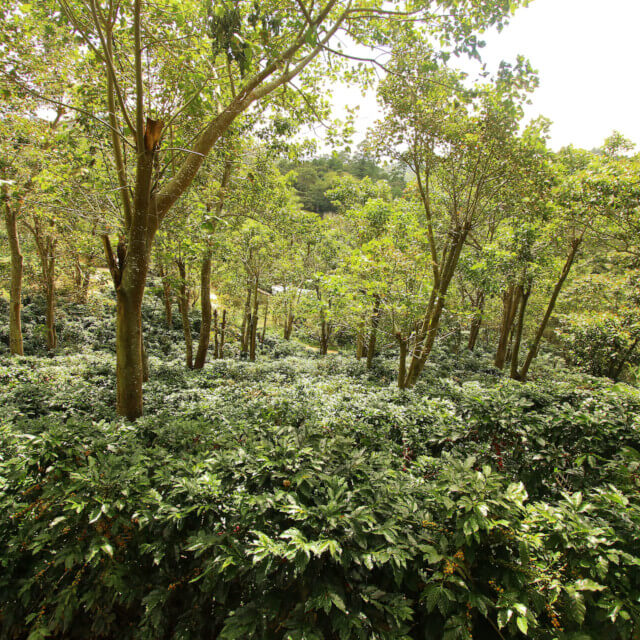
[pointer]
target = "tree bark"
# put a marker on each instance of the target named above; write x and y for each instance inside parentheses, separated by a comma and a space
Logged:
(510, 303)
(515, 352)
(402, 365)
(183, 304)
(246, 323)
(15, 289)
(266, 316)
(223, 327)
(360, 346)
(429, 329)
(166, 291)
(216, 342)
(476, 323)
(52, 337)
(253, 328)
(533, 350)
(373, 335)
(82, 279)
(205, 304)
(288, 322)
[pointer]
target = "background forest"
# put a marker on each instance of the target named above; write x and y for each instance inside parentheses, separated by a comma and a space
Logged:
(258, 388)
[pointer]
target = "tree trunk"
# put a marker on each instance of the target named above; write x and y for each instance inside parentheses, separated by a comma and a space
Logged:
(183, 304)
(324, 337)
(476, 323)
(246, 323)
(130, 367)
(166, 291)
(533, 350)
(515, 352)
(223, 327)
(15, 290)
(82, 279)
(52, 337)
(510, 303)
(264, 326)
(253, 327)
(373, 335)
(205, 304)
(431, 323)
(360, 346)
(402, 365)
(288, 323)
(252, 337)
(216, 342)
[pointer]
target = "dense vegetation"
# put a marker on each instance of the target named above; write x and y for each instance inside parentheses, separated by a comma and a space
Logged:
(253, 391)
(307, 497)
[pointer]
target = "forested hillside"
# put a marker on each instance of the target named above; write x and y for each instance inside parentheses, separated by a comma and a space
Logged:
(255, 386)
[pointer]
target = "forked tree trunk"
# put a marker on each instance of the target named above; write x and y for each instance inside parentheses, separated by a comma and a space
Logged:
(429, 328)
(205, 304)
(533, 349)
(15, 289)
(510, 303)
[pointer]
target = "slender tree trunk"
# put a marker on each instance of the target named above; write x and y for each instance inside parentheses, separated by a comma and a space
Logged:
(515, 351)
(15, 289)
(223, 327)
(52, 337)
(205, 304)
(216, 341)
(324, 336)
(431, 323)
(166, 291)
(288, 322)
(402, 365)
(476, 323)
(184, 312)
(533, 350)
(510, 303)
(246, 323)
(82, 279)
(253, 327)
(360, 346)
(264, 325)
(373, 335)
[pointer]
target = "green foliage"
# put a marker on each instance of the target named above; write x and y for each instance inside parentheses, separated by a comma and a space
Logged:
(306, 497)
(602, 344)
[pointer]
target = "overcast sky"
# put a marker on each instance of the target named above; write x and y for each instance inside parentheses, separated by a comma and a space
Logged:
(587, 53)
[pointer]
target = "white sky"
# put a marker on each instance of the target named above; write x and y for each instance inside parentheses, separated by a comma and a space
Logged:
(587, 53)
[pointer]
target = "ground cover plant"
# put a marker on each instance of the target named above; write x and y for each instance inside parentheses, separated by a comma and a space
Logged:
(307, 497)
